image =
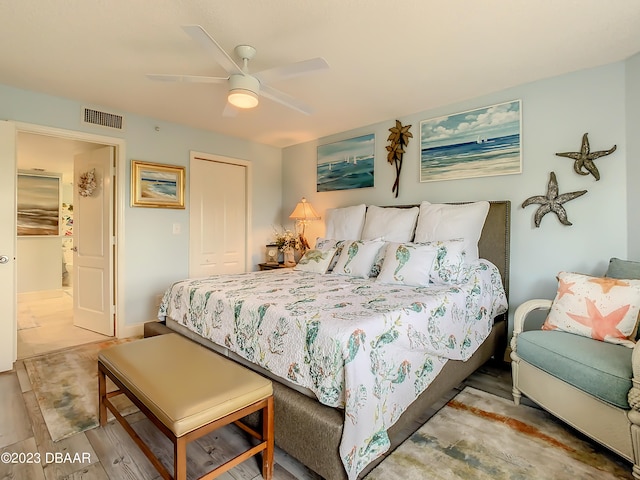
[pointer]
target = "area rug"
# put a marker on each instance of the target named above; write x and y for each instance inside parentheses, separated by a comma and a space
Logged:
(480, 436)
(65, 384)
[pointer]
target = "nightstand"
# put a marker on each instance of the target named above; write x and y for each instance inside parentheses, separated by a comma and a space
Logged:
(271, 266)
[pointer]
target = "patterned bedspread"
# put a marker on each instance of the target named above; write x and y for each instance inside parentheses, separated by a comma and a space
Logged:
(358, 344)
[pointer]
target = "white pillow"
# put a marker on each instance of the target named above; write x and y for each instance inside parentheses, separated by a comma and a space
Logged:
(316, 261)
(357, 256)
(391, 224)
(326, 244)
(345, 223)
(446, 222)
(408, 264)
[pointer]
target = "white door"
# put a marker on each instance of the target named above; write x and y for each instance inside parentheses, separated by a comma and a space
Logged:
(93, 243)
(7, 245)
(217, 218)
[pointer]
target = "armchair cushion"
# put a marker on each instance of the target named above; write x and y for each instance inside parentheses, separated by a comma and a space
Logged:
(603, 370)
(623, 269)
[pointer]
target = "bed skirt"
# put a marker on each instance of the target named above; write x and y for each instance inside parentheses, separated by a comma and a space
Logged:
(311, 432)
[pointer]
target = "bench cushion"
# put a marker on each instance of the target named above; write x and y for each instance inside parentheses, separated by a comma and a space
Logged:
(185, 385)
(598, 368)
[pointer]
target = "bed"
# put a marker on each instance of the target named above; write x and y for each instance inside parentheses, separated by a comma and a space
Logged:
(356, 361)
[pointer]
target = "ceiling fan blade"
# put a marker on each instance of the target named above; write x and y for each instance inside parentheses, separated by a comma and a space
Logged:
(186, 78)
(297, 69)
(229, 111)
(284, 99)
(201, 36)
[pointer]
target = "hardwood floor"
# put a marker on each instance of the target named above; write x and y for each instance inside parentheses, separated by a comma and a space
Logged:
(109, 453)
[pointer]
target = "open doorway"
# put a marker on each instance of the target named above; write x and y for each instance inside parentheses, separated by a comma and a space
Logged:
(45, 267)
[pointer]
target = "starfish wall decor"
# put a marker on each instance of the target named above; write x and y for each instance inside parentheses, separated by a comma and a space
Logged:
(398, 138)
(585, 157)
(552, 202)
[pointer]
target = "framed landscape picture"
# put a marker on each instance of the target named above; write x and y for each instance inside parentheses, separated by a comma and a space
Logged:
(38, 205)
(157, 185)
(478, 143)
(346, 164)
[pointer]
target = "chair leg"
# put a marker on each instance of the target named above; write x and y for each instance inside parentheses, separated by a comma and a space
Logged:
(514, 376)
(635, 439)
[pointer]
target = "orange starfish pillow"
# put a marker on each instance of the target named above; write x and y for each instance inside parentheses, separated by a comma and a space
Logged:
(602, 308)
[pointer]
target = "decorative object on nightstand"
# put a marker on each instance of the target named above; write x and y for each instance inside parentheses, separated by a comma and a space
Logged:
(271, 252)
(289, 257)
(288, 242)
(303, 214)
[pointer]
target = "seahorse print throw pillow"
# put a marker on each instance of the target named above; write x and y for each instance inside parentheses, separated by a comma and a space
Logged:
(407, 264)
(316, 261)
(357, 257)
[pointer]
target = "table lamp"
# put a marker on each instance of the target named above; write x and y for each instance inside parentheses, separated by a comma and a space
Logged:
(303, 214)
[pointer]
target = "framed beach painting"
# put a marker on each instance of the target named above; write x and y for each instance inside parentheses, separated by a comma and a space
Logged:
(38, 205)
(478, 143)
(346, 164)
(157, 185)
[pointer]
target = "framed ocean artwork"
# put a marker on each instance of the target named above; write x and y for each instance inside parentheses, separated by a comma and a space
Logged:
(38, 205)
(346, 164)
(477, 143)
(157, 185)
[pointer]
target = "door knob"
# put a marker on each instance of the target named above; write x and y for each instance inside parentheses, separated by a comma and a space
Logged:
(4, 259)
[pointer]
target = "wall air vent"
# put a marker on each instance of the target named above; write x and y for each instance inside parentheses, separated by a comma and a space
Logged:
(91, 116)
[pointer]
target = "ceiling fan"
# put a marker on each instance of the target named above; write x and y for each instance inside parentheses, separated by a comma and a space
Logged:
(244, 87)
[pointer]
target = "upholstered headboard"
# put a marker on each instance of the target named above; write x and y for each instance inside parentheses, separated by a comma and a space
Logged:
(494, 241)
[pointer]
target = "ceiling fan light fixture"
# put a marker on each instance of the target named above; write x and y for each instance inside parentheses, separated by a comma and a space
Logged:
(243, 91)
(243, 98)
(244, 88)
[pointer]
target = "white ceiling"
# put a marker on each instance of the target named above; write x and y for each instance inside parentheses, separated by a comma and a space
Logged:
(388, 58)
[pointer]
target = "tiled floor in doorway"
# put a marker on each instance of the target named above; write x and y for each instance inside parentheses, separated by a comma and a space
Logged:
(45, 323)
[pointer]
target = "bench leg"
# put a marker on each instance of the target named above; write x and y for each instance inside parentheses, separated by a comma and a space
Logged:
(267, 435)
(180, 459)
(102, 395)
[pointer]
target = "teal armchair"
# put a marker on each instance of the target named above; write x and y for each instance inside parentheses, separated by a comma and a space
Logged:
(593, 386)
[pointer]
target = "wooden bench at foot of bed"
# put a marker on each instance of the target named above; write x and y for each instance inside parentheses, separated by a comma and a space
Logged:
(187, 391)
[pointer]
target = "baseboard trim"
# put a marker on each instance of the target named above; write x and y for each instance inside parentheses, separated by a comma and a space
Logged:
(128, 331)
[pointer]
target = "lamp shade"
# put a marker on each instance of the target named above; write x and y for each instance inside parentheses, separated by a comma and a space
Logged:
(304, 211)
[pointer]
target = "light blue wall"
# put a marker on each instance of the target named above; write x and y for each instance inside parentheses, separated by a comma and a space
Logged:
(605, 102)
(633, 155)
(154, 257)
(555, 114)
